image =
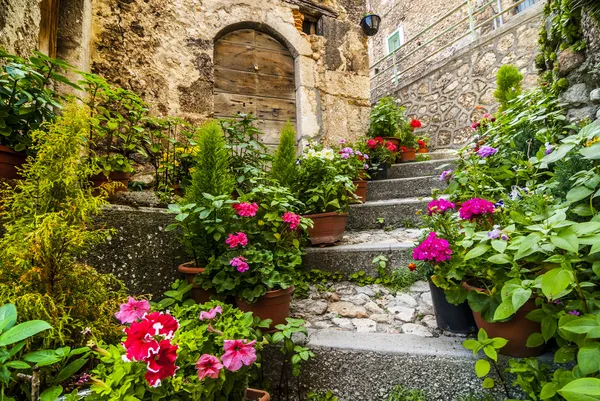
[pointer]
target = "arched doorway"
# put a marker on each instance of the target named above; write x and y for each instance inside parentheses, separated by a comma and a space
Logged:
(254, 73)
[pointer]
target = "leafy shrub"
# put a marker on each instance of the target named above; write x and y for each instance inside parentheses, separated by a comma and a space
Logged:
(212, 175)
(27, 99)
(284, 162)
(508, 84)
(387, 118)
(47, 221)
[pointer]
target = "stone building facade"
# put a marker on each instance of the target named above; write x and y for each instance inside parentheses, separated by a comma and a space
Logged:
(457, 85)
(165, 50)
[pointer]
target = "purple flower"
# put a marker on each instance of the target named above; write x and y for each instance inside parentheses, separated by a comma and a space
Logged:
(497, 233)
(358, 153)
(341, 141)
(549, 148)
(574, 313)
(345, 156)
(366, 166)
(446, 175)
(499, 204)
(486, 151)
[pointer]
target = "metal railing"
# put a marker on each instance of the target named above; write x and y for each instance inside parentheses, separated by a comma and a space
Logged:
(473, 26)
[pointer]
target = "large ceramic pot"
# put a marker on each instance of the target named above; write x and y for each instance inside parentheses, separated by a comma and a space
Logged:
(409, 155)
(517, 330)
(256, 395)
(114, 176)
(370, 24)
(198, 294)
(361, 190)
(328, 227)
(274, 305)
(9, 162)
(454, 318)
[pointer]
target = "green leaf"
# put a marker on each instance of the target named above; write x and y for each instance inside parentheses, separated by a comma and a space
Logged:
(70, 369)
(488, 383)
(482, 368)
(555, 282)
(499, 245)
(548, 391)
(504, 310)
(592, 153)
(549, 326)
(471, 344)
(564, 355)
(51, 394)
(8, 316)
(580, 325)
(500, 259)
(491, 352)
(528, 245)
(17, 365)
(578, 193)
(42, 357)
(574, 390)
(519, 297)
(588, 359)
(535, 340)
(477, 251)
(566, 239)
(23, 331)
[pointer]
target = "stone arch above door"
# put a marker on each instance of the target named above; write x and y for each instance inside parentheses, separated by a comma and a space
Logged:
(254, 73)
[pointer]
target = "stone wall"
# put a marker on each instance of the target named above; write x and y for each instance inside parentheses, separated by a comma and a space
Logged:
(19, 26)
(448, 95)
(164, 51)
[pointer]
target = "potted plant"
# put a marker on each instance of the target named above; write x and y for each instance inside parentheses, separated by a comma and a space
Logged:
(423, 142)
(387, 120)
(354, 163)
(27, 100)
(118, 130)
(325, 192)
(205, 207)
(382, 155)
(192, 352)
(263, 250)
(370, 23)
(408, 141)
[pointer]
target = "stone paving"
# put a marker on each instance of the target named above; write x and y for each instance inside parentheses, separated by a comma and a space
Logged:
(369, 309)
(396, 236)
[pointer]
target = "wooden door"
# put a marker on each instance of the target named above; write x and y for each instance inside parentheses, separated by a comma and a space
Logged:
(254, 73)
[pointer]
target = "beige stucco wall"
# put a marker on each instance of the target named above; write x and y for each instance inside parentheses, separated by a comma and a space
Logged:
(164, 51)
(19, 26)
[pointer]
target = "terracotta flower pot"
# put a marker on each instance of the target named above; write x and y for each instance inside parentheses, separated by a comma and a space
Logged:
(516, 331)
(198, 294)
(409, 155)
(274, 305)
(361, 190)
(114, 176)
(329, 227)
(393, 140)
(256, 395)
(423, 150)
(9, 161)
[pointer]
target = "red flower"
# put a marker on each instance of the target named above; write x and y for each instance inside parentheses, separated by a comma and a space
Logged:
(162, 324)
(379, 140)
(246, 209)
(412, 267)
(415, 124)
(162, 363)
(139, 343)
(403, 148)
(372, 143)
(422, 144)
(391, 147)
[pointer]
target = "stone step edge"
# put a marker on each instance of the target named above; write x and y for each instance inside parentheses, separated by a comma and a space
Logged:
(427, 162)
(388, 343)
(403, 179)
(394, 201)
(364, 247)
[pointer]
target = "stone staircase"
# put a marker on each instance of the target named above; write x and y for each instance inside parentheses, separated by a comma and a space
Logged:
(368, 339)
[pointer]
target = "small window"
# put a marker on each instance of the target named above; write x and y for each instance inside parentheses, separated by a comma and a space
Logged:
(395, 40)
(525, 5)
(312, 25)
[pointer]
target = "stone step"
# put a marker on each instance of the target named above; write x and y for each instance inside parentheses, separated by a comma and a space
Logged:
(403, 187)
(420, 169)
(358, 248)
(394, 212)
(367, 366)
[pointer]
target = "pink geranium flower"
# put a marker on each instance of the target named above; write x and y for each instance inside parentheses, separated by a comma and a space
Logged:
(235, 240)
(238, 353)
(246, 209)
(239, 263)
(439, 206)
(208, 366)
(133, 310)
(475, 207)
(292, 219)
(433, 249)
(161, 364)
(211, 314)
